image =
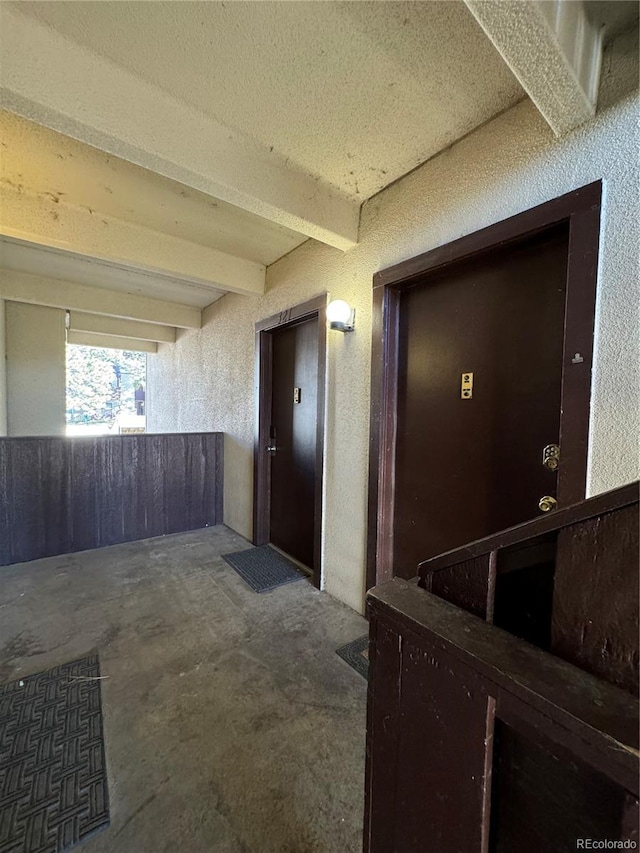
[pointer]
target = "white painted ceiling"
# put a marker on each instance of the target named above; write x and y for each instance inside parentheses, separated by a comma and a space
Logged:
(358, 93)
(61, 265)
(46, 164)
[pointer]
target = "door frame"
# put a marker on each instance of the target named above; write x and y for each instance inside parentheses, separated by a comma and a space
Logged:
(581, 210)
(292, 316)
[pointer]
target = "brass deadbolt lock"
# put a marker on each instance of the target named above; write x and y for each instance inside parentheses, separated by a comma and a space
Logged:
(551, 457)
(547, 503)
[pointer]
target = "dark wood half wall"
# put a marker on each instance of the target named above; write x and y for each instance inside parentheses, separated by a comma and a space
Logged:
(59, 495)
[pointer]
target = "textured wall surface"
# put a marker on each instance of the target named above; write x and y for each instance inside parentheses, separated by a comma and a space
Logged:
(36, 365)
(206, 381)
(3, 371)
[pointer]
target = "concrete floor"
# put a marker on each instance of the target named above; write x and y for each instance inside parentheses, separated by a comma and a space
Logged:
(231, 724)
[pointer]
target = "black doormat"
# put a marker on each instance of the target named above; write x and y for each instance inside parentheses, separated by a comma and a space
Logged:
(263, 568)
(53, 777)
(356, 654)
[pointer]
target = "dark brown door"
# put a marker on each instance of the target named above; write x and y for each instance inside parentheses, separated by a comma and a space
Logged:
(470, 466)
(294, 419)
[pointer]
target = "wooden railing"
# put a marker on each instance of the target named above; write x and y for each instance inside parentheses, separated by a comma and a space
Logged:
(59, 495)
(567, 582)
(503, 691)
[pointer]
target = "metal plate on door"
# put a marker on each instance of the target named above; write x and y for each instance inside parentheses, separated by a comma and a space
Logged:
(466, 386)
(297, 395)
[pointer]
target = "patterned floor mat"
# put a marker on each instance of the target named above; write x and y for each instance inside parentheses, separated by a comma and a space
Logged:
(53, 779)
(356, 654)
(263, 568)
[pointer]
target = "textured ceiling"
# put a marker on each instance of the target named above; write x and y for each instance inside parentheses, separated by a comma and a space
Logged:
(43, 163)
(66, 266)
(358, 93)
(354, 94)
(614, 16)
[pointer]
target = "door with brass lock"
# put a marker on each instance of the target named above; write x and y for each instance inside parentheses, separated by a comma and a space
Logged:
(478, 399)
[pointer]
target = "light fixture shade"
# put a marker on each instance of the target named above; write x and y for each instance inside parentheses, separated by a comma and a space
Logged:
(341, 316)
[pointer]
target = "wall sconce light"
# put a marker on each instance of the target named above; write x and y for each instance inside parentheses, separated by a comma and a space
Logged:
(341, 316)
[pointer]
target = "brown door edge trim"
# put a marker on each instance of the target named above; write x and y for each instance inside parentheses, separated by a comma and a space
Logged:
(516, 227)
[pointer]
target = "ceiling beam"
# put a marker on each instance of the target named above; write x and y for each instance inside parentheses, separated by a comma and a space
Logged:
(39, 290)
(46, 219)
(554, 50)
(56, 82)
(96, 324)
(86, 339)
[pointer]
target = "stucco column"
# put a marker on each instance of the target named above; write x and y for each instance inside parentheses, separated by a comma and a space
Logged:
(35, 369)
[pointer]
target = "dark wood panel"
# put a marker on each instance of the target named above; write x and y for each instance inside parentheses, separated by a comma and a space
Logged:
(595, 598)
(545, 797)
(491, 733)
(383, 712)
(199, 489)
(108, 461)
(580, 702)
(176, 472)
(26, 532)
(54, 499)
(466, 585)
(59, 495)
(132, 487)
(194, 483)
(83, 504)
(155, 466)
(572, 590)
(443, 724)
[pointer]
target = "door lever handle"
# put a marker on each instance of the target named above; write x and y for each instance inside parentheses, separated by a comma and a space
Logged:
(271, 448)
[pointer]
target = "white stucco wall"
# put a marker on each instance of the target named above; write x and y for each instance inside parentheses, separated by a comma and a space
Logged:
(3, 371)
(206, 381)
(36, 364)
